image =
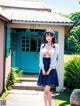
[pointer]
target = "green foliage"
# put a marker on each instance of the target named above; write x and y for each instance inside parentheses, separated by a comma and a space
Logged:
(75, 17)
(4, 95)
(72, 44)
(15, 73)
(74, 32)
(72, 73)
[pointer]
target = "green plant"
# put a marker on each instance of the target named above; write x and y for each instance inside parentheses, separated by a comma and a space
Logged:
(4, 95)
(14, 76)
(72, 73)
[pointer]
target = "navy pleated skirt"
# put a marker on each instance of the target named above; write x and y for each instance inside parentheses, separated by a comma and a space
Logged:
(51, 79)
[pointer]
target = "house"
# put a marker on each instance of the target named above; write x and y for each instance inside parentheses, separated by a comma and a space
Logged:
(28, 20)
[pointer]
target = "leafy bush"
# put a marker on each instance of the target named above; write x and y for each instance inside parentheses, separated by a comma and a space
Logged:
(15, 73)
(72, 73)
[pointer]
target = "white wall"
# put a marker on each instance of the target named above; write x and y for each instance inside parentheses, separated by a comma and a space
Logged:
(60, 63)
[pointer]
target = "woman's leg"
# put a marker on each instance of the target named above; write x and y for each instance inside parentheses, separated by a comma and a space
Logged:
(47, 96)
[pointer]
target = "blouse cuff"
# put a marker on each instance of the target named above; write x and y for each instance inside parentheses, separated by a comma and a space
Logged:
(42, 68)
(50, 69)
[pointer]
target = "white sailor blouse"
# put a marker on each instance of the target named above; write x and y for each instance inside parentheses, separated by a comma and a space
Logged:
(54, 51)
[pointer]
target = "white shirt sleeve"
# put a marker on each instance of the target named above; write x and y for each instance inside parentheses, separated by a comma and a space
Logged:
(54, 57)
(41, 65)
(57, 48)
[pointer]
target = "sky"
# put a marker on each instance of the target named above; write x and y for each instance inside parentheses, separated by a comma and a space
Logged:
(63, 6)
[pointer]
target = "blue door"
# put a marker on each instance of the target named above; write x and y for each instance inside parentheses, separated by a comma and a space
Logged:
(27, 54)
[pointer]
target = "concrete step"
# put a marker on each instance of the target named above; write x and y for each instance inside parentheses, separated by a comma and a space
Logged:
(27, 82)
(27, 86)
(30, 75)
(29, 78)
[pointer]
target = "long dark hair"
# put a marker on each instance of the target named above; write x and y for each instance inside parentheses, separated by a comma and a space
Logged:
(52, 33)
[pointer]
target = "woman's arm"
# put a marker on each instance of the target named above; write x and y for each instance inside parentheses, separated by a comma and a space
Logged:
(57, 48)
(41, 65)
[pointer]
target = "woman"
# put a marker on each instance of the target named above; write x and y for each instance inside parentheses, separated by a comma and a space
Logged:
(48, 74)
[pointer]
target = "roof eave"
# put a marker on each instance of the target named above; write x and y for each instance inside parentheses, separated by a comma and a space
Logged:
(26, 8)
(43, 23)
(69, 28)
(4, 18)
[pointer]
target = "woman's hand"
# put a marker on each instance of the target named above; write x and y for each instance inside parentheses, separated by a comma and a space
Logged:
(48, 72)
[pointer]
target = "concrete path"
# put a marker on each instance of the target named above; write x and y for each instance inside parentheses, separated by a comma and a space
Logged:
(25, 98)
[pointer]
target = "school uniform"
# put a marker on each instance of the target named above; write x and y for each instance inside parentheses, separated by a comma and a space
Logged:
(48, 62)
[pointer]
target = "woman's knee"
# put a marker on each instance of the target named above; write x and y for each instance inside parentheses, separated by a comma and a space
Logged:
(47, 89)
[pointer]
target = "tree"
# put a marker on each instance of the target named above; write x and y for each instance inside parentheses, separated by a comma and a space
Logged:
(73, 34)
(75, 17)
(72, 44)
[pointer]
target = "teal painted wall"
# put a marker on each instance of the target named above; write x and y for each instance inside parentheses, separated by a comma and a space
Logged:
(8, 41)
(14, 47)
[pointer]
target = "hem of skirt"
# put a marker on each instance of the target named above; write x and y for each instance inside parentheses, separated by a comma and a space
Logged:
(42, 85)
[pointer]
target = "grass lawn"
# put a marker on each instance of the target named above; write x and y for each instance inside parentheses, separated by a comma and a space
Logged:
(62, 99)
(69, 57)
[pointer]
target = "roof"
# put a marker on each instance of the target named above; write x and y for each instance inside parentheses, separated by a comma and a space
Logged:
(32, 11)
(3, 15)
(25, 15)
(23, 3)
(2, 12)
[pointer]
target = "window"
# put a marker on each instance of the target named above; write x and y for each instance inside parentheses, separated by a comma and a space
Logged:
(25, 44)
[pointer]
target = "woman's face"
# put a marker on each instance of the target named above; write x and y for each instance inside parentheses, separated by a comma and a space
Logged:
(48, 38)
